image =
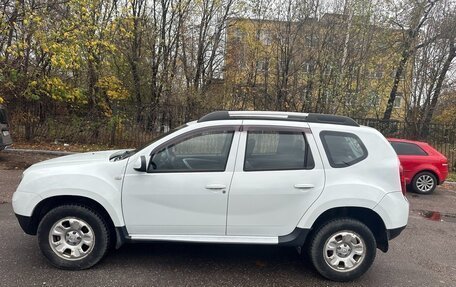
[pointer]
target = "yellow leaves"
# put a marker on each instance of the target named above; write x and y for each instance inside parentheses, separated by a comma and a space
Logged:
(54, 88)
(1, 100)
(447, 115)
(113, 88)
(64, 56)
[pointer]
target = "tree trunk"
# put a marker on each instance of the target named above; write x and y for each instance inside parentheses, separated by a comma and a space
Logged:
(437, 90)
(397, 79)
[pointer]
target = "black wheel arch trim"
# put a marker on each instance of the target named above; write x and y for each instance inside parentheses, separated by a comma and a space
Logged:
(296, 238)
(121, 236)
(26, 224)
(394, 232)
(29, 227)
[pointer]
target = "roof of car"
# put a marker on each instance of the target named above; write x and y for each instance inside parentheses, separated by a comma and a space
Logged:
(406, 141)
(281, 116)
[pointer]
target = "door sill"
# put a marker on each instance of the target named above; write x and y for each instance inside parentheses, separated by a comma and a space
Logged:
(208, 238)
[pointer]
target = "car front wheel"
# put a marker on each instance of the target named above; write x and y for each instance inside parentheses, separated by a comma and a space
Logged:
(73, 237)
(424, 183)
(342, 249)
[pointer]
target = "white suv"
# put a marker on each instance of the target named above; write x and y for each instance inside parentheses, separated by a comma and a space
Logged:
(321, 183)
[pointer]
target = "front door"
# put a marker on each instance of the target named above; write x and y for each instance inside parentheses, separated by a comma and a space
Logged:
(186, 188)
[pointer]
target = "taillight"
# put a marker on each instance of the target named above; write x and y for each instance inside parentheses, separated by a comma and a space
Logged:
(403, 185)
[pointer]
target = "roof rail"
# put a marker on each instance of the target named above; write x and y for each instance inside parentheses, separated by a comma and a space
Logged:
(280, 116)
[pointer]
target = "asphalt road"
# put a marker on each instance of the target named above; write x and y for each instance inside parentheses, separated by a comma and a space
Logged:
(424, 254)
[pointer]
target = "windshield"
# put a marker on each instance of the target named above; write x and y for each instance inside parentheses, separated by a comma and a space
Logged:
(129, 153)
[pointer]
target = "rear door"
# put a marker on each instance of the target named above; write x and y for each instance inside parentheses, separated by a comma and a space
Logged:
(278, 175)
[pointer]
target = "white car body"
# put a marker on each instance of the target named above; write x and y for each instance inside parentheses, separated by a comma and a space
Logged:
(230, 206)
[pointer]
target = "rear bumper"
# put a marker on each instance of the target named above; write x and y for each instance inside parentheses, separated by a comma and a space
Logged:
(443, 176)
(393, 209)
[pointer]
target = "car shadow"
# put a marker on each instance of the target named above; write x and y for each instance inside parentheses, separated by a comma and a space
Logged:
(204, 258)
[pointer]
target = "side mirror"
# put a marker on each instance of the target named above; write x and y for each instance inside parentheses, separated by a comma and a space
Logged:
(140, 164)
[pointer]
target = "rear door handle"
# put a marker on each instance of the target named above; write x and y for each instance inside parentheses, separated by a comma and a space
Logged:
(215, 186)
(303, 186)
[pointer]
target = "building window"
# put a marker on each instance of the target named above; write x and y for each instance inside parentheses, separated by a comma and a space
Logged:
(262, 65)
(350, 99)
(310, 41)
(373, 99)
(398, 100)
(307, 67)
(327, 70)
(265, 37)
(238, 34)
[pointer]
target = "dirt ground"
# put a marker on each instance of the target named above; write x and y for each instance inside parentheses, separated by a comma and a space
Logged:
(20, 160)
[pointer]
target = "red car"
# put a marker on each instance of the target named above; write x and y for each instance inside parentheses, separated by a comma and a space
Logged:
(424, 167)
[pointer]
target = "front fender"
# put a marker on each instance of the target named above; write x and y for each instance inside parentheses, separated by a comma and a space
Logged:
(98, 182)
(114, 210)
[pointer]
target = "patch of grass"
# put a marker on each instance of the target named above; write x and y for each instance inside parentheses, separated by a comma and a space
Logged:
(451, 177)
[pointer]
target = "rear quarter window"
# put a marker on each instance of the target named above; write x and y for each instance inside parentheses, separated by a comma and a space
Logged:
(403, 148)
(343, 149)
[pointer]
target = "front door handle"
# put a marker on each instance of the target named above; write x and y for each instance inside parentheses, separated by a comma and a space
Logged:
(215, 186)
(303, 186)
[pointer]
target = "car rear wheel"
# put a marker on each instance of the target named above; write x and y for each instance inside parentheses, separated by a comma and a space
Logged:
(73, 237)
(342, 249)
(424, 183)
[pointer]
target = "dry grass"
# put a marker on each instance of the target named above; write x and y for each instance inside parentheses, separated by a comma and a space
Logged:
(451, 177)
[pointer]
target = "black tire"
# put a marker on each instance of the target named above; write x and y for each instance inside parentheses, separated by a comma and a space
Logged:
(419, 182)
(94, 224)
(323, 234)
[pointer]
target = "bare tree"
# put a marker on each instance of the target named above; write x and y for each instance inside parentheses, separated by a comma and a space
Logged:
(417, 17)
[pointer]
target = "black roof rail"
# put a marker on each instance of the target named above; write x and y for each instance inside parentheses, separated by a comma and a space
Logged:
(281, 116)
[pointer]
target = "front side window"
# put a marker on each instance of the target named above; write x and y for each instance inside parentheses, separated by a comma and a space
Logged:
(205, 151)
(402, 148)
(277, 150)
(343, 149)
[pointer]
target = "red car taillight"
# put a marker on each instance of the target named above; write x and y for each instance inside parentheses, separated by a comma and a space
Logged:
(403, 185)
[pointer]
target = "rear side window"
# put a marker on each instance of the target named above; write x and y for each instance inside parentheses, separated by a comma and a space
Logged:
(277, 150)
(343, 149)
(402, 148)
